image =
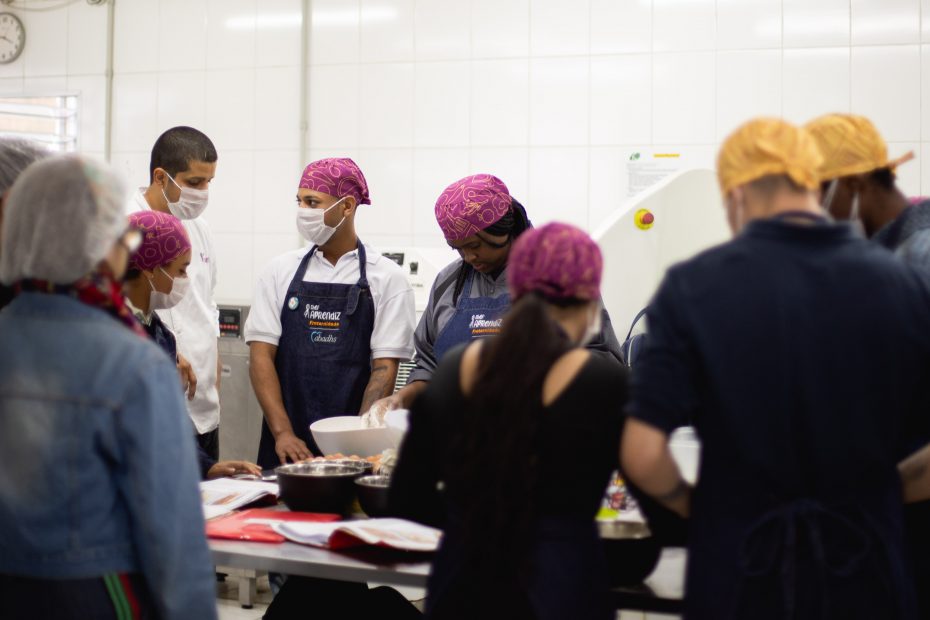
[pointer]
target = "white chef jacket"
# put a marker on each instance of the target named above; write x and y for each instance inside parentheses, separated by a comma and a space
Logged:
(395, 314)
(195, 320)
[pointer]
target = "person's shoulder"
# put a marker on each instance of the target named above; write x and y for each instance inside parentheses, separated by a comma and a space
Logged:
(603, 366)
(705, 261)
(136, 355)
(284, 264)
(449, 270)
(387, 278)
(382, 265)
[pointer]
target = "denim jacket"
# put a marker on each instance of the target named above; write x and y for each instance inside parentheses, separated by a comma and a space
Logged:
(98, 472)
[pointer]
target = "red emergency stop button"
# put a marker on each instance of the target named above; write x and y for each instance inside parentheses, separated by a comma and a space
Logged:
(644, 219)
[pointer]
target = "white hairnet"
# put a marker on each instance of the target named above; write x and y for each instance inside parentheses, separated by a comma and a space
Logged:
(15, 156)
(62, 216)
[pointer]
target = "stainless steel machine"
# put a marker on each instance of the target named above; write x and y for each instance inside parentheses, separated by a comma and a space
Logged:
(240, 414)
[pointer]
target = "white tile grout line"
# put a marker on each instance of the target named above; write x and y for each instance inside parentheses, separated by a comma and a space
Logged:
(590, 199)
(529, 96)
(920, 97)
(849, 104)
(781, 71)
(652, 71)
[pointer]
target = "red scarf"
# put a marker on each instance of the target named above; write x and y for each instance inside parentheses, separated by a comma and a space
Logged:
(98, 290)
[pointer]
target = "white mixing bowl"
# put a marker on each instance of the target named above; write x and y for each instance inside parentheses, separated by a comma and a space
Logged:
(396, 423)
(346, 435)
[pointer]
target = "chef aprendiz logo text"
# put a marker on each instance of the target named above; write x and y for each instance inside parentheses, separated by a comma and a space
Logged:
(321, 319)
(480, 326)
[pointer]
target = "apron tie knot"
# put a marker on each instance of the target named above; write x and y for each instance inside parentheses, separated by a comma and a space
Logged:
(777, 539)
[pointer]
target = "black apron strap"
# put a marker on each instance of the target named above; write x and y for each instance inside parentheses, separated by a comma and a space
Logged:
(362, 284)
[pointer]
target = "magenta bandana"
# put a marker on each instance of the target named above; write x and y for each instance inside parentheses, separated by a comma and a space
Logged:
(471, 204)
(559, 261)
(336, 176)
(163, 239)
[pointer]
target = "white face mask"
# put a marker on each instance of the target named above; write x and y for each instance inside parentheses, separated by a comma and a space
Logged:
(593, 329)
(311, 226)
(828, 197)
(854, 218)
(191, 203)
(164, 301)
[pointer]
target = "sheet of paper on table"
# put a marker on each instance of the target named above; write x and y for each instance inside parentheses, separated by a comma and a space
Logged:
(224, 495)
(393, 533)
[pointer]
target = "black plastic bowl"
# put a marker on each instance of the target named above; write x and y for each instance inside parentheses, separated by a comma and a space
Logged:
(631, 551)
(318, 487)
(373, 494)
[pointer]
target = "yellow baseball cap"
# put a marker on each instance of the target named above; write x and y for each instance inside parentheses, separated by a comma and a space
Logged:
(850, 144)
(768, 146)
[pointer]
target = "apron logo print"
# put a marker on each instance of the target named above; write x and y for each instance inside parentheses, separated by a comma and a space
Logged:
(322, 319)
(319, 337)
(292, 303)
(481, 326)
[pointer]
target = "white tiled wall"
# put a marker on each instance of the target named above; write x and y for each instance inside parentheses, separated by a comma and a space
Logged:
(550, 95)
(553, 96)
(232, 69)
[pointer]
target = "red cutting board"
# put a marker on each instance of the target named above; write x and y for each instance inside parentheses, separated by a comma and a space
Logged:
(235, 526)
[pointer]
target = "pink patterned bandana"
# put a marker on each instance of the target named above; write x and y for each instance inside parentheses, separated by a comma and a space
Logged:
(559, 261)
(336, 176)
(163, 239)
(470, 205)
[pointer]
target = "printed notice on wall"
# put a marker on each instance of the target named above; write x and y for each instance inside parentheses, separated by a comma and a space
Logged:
(646, 168)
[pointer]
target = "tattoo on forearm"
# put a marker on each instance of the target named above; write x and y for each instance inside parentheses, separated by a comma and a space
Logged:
(378, 387)
(680, 489)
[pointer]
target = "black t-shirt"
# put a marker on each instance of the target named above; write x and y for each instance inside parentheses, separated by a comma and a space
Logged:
(578, 447)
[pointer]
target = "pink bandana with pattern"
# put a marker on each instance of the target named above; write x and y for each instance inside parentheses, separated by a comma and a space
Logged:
(470, 205)
(559, 261)
(163, 239)
(336, 176)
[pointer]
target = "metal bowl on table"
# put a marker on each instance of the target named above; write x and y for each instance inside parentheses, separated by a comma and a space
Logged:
(373, 494)
(319, 486)
(367, 466)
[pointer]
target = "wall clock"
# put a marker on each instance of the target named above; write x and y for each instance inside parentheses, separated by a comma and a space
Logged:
(12, 37)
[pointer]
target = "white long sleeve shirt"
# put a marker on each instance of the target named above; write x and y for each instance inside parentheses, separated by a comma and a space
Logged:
(195, 321)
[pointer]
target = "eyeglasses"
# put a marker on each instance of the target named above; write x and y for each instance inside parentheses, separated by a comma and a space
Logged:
(131, 240)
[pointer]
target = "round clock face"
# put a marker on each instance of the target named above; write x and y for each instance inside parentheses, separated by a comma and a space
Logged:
(12, 37)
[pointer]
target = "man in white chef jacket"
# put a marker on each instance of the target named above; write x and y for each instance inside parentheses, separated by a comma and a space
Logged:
(183, 164)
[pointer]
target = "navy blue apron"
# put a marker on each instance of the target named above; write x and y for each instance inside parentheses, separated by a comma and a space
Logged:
(473, 318)
(324, 354)
(162, 336)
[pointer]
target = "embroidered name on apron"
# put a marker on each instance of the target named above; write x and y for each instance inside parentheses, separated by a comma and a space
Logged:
(322, 319)
(480, 326)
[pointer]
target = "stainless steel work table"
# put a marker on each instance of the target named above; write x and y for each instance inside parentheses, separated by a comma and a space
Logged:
(661, 591)
(362, 564)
